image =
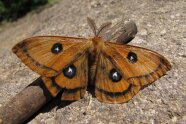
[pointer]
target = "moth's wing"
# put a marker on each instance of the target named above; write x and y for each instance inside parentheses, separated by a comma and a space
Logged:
(39, 54)
(135, 74)
(73, 88)
(51, 85)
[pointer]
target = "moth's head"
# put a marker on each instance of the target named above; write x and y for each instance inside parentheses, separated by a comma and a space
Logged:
(97, 41)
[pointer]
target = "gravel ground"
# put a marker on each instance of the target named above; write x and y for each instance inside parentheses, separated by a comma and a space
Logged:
(161, 27)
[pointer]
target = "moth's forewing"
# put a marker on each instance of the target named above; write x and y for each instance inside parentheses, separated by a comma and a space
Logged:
(38, 53)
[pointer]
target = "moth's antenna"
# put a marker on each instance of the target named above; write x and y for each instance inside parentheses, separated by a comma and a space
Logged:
(92, 25)
(103, 28)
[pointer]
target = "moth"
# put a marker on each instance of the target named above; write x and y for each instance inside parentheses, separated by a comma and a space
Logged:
(117, 70)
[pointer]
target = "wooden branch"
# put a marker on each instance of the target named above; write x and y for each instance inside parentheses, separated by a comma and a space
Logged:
(25, 104)
(34, 96)
(130, 29)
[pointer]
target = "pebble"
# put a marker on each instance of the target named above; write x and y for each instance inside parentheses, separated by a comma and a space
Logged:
(139, 40)
(172, 16)
(163, 31)
(143, 32)
(1, 121)
(174, 119)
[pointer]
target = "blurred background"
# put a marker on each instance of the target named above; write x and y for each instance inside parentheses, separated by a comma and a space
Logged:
(10, 10)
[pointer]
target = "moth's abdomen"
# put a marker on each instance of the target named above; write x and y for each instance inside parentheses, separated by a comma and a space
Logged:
(92, 59)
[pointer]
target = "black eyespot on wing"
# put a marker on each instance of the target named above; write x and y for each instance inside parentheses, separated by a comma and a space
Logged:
(132, 57)
(57, 48)
(114, 75)
(69, 71)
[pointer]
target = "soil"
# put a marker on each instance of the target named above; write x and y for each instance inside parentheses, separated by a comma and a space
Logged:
(161, 27)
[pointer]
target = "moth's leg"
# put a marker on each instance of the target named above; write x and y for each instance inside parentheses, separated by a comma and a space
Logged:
(128, 33)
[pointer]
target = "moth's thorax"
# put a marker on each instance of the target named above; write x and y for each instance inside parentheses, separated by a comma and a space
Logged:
(96, 47)
(97, 42)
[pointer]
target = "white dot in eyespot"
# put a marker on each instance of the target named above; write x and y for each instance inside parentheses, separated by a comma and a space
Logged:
(131, 57)
(57, 49)
(115, 75)
(70, 71)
